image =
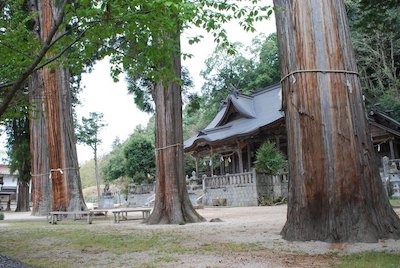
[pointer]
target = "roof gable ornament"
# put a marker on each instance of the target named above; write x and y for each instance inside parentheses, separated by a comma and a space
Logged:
(237, 106)
(235, 91)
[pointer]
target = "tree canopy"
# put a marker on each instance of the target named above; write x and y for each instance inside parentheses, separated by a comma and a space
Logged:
(134, 158)
(128, 31)
(376, 40)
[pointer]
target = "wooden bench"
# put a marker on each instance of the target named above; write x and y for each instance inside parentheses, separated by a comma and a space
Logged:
(122, 214)
(55, 216)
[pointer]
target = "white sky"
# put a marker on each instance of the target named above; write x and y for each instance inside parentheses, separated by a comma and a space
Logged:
(101, 94)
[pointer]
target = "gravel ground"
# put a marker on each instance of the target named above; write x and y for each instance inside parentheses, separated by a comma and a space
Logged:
(6, 262)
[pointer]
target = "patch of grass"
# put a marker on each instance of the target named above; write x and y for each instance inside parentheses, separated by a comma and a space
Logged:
(370, 260)
(42, 262)
(166, 258)
(42, 245)
(394, 202)
(119, 243)
(230, 247)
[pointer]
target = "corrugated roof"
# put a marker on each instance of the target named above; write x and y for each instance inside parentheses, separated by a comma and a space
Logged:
(256, 110)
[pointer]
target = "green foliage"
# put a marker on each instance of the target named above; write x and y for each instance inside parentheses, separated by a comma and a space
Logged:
(269, 159)
(375, 29)
(139, 158)
(1, 216)
(249, 74)
(140, 37)
(114, 166)
(267, 71)
(18, 140)
(141, 89)
(17, 40)
(135, 158)
(389, 101)
(88, 132)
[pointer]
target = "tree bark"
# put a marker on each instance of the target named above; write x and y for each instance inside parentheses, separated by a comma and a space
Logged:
(335, 191)
(172, 204)
(41, 185)
(23, 197)
(63, 161)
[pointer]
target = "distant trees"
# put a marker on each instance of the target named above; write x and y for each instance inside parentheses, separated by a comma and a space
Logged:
(134, 159)
(88, 133)
(113, 166)
(375, 28)
(139, 158)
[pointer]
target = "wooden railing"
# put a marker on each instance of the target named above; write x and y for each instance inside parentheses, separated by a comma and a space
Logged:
(229, 179)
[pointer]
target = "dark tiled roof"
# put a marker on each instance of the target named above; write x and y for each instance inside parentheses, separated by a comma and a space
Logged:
(252, 112)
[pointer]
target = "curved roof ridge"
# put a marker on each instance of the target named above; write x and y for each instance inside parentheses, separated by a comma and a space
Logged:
(244, 106)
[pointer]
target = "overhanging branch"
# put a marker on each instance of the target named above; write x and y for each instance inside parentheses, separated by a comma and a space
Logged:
(61, 52)
(28, 71)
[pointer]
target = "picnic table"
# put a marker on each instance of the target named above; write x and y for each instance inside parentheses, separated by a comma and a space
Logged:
(122, 214)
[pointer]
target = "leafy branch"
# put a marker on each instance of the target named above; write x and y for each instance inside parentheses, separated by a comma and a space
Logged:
(17, 85)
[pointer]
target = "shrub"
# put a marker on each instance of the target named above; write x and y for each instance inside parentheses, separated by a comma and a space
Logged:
(1, 216)
(269, 159)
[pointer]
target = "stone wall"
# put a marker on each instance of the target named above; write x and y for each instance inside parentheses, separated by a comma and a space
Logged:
(140, 195)
(272, 187)
(244, 189)
(230, 190)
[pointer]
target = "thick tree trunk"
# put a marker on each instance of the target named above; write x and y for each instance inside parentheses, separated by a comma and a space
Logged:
(335, 190)
(23, 197)
(172, 204)
(64, 169)
(41, 184)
